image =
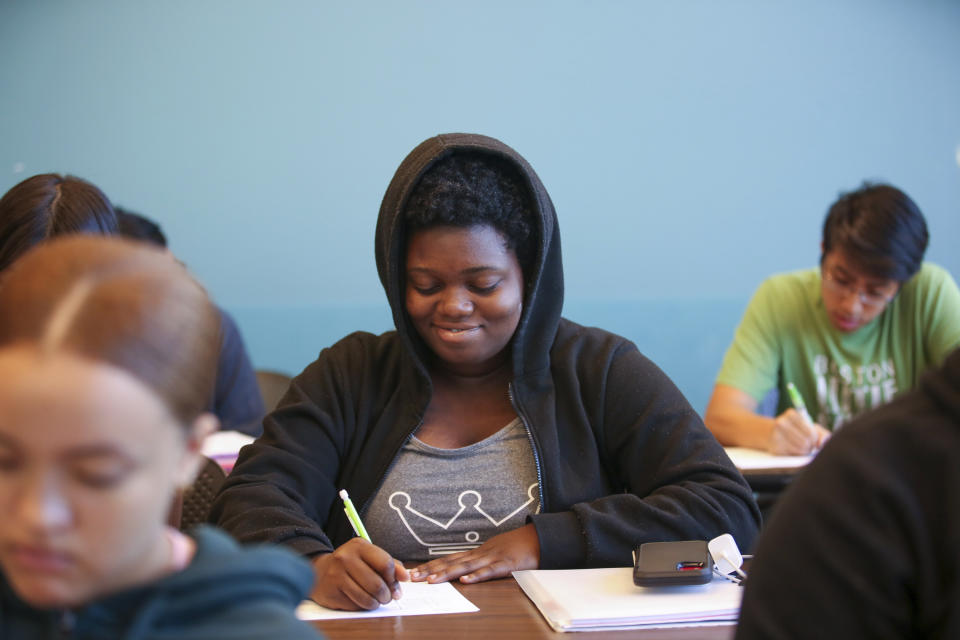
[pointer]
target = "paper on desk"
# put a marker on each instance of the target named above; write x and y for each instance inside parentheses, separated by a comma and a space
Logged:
(419, 598)
(225, 443)
(607, 599)
(745, 458)
(223, 447)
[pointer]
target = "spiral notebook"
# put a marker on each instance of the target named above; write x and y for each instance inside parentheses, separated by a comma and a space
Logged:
(607, 599)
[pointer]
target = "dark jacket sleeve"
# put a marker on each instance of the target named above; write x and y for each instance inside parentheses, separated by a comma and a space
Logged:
(671, 478)
(852, 550)
(283, 485)
(236, 400)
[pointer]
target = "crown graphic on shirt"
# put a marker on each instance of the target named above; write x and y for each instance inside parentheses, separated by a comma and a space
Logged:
(468, 500)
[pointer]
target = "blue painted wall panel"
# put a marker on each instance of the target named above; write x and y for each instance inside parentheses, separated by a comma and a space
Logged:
(691, 147)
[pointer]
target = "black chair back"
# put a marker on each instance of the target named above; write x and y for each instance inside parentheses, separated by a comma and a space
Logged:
(198, 497)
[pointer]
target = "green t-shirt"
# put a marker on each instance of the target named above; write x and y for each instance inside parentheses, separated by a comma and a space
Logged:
(786, 336)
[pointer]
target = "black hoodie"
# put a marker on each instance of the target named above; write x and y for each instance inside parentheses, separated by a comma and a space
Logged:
(621, 457)
(225, 593)
(866, 543)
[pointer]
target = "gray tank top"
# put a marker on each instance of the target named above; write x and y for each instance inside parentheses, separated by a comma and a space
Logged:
(439, 501)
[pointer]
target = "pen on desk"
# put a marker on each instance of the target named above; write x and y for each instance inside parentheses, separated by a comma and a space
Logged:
(353, 516)
(797, 400)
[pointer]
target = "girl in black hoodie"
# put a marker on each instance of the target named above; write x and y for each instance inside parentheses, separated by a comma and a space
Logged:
(487, 433)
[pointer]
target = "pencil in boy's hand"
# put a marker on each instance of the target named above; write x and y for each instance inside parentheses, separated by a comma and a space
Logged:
(797, 400)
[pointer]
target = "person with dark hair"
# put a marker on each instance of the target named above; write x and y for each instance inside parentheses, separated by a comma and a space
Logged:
(48, 205)
(236, 398)
(134, 225)
(864, 543)
(850, 335)
(486, 433)
(107, 354)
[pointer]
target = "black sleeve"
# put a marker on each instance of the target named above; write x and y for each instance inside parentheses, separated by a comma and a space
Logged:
(835, 560)
(283, 485)
(677, 481)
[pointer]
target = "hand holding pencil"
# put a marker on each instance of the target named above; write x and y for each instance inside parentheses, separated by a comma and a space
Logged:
(357, 574)
(794, 432)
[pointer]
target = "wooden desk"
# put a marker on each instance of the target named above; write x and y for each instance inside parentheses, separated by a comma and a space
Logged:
(505, 614)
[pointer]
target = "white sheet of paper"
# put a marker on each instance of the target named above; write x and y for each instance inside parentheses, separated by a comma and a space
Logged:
(419, 598)
(225, 443)
(754, 459)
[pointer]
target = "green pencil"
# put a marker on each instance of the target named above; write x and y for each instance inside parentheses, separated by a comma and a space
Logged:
(797, 400)
(353, 516)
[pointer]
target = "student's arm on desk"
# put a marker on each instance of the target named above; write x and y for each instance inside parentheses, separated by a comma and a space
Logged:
(498, 557)
(732, 417)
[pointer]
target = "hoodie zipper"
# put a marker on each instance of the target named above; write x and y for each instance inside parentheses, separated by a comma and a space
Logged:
(533, 443)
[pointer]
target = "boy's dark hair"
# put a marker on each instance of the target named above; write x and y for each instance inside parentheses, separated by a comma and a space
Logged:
(133, 225)
(880, 228)
(475, 188)
(48, 205)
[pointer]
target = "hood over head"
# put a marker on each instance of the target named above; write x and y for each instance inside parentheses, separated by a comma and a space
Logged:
(543, 293)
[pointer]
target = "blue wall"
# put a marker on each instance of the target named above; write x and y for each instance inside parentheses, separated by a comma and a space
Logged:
(691, 147)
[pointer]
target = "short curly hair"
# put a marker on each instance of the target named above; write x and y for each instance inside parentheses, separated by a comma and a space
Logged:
(475, 188)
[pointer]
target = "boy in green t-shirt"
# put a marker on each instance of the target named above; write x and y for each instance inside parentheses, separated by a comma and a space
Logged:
(850, 334)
